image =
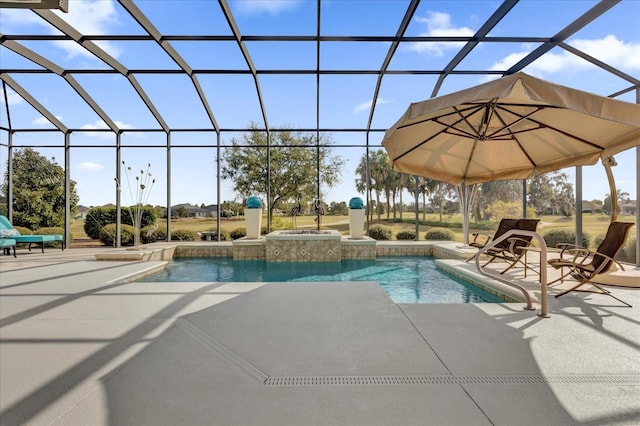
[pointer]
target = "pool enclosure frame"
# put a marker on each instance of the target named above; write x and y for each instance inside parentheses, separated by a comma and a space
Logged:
(17, 43)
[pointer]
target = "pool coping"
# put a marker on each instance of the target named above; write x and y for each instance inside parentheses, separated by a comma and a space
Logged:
(449, 256)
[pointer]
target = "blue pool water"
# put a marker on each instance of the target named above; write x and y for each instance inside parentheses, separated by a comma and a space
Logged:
(405, 279)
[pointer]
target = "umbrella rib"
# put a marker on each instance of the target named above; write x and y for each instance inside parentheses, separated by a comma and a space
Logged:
(474, 107)
(464, 118)
(555, 129)
(521, 118)
(513, 135)
(445, 130)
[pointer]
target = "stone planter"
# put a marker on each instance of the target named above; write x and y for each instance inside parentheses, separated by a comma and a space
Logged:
(253, 217)
(356, 218)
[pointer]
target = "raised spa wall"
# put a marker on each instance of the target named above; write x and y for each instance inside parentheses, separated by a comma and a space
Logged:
(366, 248)
(286, 246)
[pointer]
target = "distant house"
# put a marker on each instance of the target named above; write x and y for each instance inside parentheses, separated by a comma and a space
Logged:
(591, 207)
(81, 212)
(213, 208)
(191, 211)
(629, 207)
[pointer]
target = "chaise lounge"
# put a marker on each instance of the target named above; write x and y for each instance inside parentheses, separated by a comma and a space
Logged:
(585, 264)
(8, 232)
(511, 249)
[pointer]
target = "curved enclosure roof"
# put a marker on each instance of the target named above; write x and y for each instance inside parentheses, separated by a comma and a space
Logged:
(152, 74)
(316, 65)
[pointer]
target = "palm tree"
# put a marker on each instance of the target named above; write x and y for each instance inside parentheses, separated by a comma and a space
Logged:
(404, 182)
(427, 187)
(378, 173)
(362, 184)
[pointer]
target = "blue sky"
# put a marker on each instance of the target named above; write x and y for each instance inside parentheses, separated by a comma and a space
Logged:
(345, 100)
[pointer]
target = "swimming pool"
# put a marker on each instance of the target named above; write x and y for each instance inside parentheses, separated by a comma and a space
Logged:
(404, 279)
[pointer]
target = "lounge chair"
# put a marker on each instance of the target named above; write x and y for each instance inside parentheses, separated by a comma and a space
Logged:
(509, 250)
(585, 264)
(6, 244)
(8, 231)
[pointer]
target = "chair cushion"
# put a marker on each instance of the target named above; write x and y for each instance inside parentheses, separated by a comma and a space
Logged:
(37, 238)
(8, 233)
(7, 242)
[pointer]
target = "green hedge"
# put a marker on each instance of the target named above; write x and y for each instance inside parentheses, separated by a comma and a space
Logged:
(439, 234)
(224, 235)
(628, 252)
(99, 217)
(183, 235)
(482, 225)
(238, 233)
(159, 234)
(378, 232)
(108, 235)
(406, 235)
(22, 230)
(557, 236)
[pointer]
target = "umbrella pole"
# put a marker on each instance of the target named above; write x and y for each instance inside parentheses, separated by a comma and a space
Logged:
(613, 193)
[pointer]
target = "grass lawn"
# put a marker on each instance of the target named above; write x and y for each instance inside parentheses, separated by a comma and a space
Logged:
(593, 224)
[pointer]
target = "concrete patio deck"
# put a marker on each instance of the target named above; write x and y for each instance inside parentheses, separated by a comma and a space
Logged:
(78, 346)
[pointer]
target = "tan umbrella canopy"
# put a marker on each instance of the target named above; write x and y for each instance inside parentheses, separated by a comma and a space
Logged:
(516, 127)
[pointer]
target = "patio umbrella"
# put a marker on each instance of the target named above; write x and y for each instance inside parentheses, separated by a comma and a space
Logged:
(516, 127)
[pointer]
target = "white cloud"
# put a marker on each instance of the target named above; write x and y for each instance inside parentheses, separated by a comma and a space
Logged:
(12, 97)
(14, 18)
(93, 17)
(90, 17)
(612, 51)
(89, 166)
(42, 121)
(102, 125)
(366, 106)
(617, 53)
(439, 25)
(272, 7)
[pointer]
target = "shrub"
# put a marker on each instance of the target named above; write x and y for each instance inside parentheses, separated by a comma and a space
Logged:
(98, 217)
(238, 233)
(628, 252)
(557, 236)
(108, 235)
(224, 234)
(439, 234)
(406, 235)
(159, 234)
(378, 232)
(277, 224)
(183, 235)
(22, 230)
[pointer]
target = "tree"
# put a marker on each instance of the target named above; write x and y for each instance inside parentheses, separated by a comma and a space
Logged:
(621, 198)
(362, 187)
(552, 191)
(428, 188)
(340, 208)
(380, 178)
(507, 191)
(293, 164)
(38, 190)
(407, 182)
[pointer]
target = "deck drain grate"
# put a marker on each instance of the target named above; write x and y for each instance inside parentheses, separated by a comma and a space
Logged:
(633, 380)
